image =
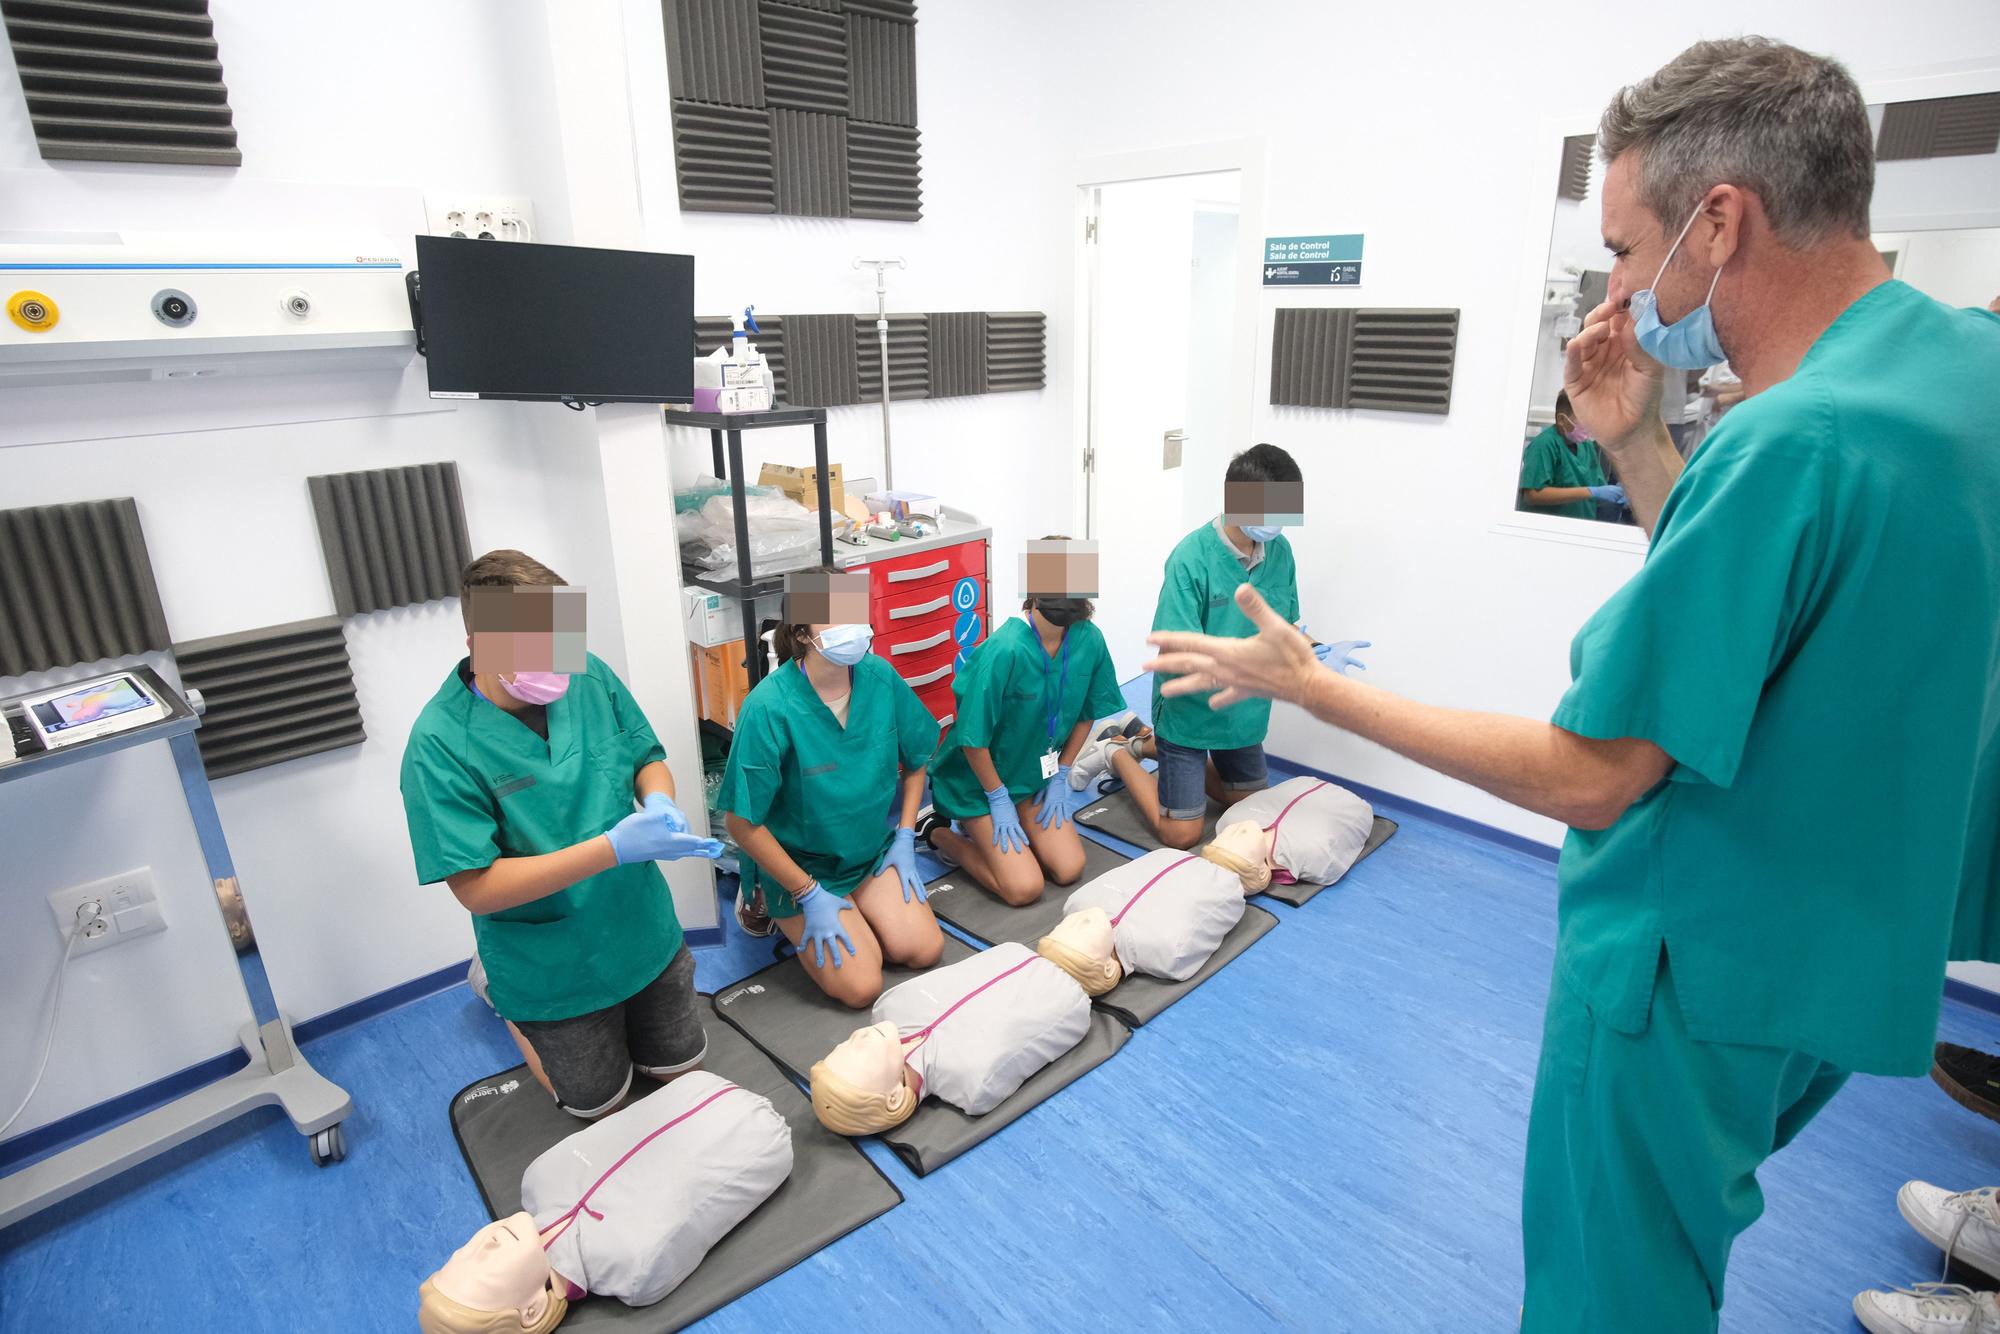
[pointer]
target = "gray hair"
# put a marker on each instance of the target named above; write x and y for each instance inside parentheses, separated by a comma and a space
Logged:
(1754, 113)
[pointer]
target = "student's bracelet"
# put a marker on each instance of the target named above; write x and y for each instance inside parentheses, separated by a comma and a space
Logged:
(811, 888)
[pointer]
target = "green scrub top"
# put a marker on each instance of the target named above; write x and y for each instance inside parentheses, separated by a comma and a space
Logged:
(479, 784)
(1021, 704)
(1815, 639)
(1550, 460)
(1199, 593)
(827, 793)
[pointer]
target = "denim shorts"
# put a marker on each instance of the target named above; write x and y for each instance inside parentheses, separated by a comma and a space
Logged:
(590, 1059)
(1183, 776)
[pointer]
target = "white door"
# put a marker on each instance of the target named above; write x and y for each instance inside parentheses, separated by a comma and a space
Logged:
(1161, 343)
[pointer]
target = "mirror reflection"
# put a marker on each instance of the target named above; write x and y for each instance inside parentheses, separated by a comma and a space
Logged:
(1937, 223)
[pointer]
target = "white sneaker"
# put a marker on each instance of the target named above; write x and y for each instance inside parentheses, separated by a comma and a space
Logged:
(475, 978)
(1928, 1308)
(1095, 757)
(1964, 1224)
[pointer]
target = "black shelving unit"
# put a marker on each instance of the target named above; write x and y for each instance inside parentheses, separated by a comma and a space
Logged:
(725, 437)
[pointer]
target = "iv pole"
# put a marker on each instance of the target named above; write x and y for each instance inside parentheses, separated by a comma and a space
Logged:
(881, 267)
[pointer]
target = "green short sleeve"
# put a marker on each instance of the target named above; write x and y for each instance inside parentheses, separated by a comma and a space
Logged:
(1538, 461)
(916, 729)
(1681, 654)
(1181, 597)
(757, 758)
(1102, 698)
(979, 690)
(453, 826)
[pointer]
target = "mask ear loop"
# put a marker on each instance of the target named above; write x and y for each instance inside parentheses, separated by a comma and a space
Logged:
(1685, 227)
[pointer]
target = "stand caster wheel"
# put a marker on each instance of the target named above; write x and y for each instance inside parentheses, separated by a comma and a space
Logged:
(328, 1146)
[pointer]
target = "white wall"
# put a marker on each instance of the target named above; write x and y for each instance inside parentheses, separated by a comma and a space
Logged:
(1960, 268)
(1375, 125)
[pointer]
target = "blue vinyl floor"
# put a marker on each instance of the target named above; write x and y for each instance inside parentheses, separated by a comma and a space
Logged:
(1328, 1135)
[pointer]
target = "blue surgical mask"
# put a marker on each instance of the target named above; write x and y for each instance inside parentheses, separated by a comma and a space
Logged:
(1262, 534)
(1689, 343)
(845, 645)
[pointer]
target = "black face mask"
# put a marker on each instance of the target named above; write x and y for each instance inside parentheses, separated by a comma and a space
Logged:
(1063, 612)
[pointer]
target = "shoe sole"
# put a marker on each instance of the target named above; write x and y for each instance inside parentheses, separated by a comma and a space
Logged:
(1922, 1227)
(1869, 1314)
(1963, 1096)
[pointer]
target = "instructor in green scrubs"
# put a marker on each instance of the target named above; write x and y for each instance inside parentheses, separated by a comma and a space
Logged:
(1026, 700)
(1780, 753)
(823, 788)
(519, 781)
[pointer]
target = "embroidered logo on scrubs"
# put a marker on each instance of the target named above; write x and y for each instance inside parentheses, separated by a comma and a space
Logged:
(1219, 599)
(819, 769)
(513, 783)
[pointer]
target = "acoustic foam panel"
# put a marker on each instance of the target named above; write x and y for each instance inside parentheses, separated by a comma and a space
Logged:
(805, 57)
(809, 154)
(723, 159)
(909, 357)
(887, 9)
(134, 82)
(1016, 350)
(884, 172)
(820, 366)
(76, 585)
(391, 536)
(1574, 182)
(272, 695)
(882, 65)
(1940, 127)
(1383, 360)
(713, 331)
(958, 354)
(715, 52)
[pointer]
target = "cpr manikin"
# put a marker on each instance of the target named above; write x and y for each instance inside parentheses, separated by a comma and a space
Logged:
(970, 1033)
(1162, 915)
(625, 1208)
(1316, 828)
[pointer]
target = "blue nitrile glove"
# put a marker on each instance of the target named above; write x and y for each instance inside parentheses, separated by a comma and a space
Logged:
(1008, 836)
(1055, 800)
(661, 804)
(823, 929)
(1614, 494)
(1340, 655)
(646, 836)
(902, 855)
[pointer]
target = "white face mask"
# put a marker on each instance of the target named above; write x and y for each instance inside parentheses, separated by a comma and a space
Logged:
(845, 645)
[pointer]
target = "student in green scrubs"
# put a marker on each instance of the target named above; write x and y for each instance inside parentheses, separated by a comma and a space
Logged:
(825, 780)
(1026, 700)
(519, 781)
(1217, 754)
(1561, 471)
(1780, 754)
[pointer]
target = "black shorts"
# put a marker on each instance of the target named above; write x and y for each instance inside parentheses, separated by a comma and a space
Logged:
(590, 1059)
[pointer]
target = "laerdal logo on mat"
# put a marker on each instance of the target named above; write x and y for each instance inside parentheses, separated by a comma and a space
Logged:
(483, 1091)
(754, 989)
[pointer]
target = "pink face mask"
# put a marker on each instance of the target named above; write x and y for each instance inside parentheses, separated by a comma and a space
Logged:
(536, 687)
(1577, 436)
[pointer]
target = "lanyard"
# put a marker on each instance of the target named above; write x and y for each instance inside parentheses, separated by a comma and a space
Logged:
(1062, 686)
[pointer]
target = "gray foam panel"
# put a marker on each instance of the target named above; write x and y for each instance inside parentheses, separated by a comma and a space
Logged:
(272, 695)
(958, 354)
(909, 357)
(391, 536)
(76, 585)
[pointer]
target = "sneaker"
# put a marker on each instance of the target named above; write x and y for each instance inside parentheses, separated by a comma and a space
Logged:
(929, 822)
(750, 914)
(475, 978)
(1972, 1078)
(1928, 1308)
(1964, 1224)
(1095, 757)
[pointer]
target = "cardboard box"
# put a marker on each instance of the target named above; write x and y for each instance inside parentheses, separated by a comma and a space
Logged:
(802, 484)
(721, 681)
(712, 618)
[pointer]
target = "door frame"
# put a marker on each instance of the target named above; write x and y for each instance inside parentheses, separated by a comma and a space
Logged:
(1246, 156)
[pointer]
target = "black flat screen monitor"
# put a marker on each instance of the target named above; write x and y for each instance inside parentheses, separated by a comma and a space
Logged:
(555, 323)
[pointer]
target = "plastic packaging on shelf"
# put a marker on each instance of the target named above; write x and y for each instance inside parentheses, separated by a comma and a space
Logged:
(784, 535)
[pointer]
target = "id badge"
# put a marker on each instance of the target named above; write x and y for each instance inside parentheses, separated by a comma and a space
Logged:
(1049, 765)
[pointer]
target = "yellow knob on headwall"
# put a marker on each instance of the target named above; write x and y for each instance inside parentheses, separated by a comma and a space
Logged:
(33, 311)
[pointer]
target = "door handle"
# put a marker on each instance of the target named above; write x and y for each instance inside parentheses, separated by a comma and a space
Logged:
(920, 609)
(919, 645)
(916, 575)
(928, 678)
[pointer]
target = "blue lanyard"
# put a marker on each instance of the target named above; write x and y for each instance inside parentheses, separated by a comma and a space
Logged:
(1062, 685)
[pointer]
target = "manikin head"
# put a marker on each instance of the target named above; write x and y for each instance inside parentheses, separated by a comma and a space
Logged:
(1081, 946)
(497, 1283)
(1245, 848)
(864, 1086)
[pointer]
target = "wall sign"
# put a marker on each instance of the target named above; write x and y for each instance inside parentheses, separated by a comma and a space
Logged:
(1313, 261)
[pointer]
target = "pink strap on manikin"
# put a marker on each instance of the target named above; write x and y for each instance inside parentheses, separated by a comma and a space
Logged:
(923, 1033)
(1279, 873)
(583, 1204)
(1191, 857)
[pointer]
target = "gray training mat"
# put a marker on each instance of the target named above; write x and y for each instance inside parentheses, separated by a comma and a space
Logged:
(1139, 999)
(1115, 816)
(790, 1018)
(962, 901)
(833, 1188)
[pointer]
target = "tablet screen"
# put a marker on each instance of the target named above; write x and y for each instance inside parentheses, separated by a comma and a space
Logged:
(106, 699)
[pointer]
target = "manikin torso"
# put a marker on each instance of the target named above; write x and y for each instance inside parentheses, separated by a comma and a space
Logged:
(1316, 828)
(1169, 909)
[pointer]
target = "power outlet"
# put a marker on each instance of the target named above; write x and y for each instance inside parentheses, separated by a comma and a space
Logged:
(481, 216)
(127, 907)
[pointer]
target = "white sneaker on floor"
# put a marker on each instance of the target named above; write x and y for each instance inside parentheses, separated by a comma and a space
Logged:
(1964, 1224)
(1095, 757)
(1928, 1308)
